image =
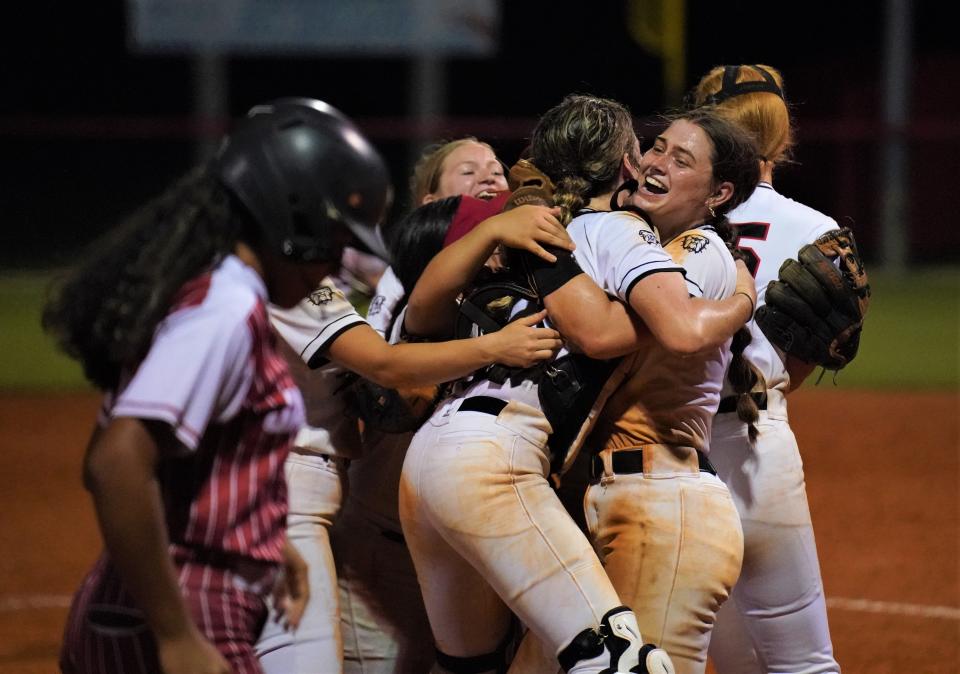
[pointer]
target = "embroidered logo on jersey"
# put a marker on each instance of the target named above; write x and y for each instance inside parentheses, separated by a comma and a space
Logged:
(376, 304)
(694, 243)
(649, 237)
(321, 295)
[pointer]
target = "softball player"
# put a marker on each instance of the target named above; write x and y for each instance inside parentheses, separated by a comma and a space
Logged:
(662, 522)
(382, 620)
(485, 528)
(777, 621)
(186, 469)
(465, 166)
(324, 332)
(659, 518)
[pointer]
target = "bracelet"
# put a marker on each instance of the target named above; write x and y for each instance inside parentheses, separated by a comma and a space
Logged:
(753, 307)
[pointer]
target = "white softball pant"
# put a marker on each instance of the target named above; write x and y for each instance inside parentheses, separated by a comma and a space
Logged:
(314, 488)
(488, 534)
(670, 541)
(779, 598)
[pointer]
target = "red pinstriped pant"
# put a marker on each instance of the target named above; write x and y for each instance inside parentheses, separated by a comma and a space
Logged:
(106, 633)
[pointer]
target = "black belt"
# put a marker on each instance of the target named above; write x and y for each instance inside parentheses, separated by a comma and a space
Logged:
(729, 404)
(394, 536)
(484, 404)
(631, 461)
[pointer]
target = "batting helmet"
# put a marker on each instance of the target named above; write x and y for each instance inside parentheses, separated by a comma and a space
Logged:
(304, 171)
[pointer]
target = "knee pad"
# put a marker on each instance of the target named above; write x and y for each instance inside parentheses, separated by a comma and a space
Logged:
(474, 664)
(619, 636)
(497, 662)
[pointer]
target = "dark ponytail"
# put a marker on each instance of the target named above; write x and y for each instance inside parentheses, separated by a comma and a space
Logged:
(105, 312)
(742, 374)
(743, 377)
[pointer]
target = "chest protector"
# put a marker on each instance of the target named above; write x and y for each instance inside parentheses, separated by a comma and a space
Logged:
(568, 386)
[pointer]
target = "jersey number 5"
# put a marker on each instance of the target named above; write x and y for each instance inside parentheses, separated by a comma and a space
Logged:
(756, 231)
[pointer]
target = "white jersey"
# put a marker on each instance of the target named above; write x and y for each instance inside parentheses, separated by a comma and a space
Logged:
(387, 296)
(616, 249)
(208, 334)
(668, 399)
(771, 228)
(308, 329)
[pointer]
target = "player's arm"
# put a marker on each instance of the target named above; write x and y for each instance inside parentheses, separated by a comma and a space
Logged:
(592, 321)
(120, 473)
(364, 351)
(685, 325)
(432, 306)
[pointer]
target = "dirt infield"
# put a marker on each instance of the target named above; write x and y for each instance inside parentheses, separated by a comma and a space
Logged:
(883, 474)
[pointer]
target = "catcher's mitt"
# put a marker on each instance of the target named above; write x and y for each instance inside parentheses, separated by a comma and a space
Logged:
(815, 311)
(529, 186)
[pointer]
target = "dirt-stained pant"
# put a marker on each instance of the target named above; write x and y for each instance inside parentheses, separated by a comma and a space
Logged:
(671, 543)
(489, 536)
(781, 618)
(314, 485)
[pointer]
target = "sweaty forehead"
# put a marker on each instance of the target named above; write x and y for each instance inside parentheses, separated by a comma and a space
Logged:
(687, 138)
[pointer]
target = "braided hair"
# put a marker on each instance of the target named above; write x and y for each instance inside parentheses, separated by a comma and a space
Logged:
(580, 144)
(105, 312)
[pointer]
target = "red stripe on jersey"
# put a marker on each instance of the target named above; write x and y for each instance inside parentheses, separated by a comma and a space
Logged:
(234, 484)
(192, 293)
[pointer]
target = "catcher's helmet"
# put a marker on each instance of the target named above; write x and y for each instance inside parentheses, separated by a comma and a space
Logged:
(304, 170)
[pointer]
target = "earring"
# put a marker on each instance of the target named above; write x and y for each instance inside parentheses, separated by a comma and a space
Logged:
(713, 213)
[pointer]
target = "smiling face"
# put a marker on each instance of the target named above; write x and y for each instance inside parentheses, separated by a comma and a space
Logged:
(472, 169)
(676, 180)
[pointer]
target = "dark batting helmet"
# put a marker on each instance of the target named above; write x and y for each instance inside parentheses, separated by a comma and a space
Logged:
(305, 172)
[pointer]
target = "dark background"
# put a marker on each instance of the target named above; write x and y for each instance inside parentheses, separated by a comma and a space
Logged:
(88, 129)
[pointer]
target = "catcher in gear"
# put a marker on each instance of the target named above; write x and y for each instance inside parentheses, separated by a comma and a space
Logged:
(815, 310)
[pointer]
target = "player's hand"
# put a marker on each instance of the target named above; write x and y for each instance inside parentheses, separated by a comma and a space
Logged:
(531, 228)
(519, 344)
(190, 654)
(746, 285)
(292, 591)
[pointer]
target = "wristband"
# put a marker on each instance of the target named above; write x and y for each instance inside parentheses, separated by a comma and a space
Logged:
(753, 306)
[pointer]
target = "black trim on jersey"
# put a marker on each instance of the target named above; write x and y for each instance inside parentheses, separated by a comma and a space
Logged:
(694, 284)
(648, 273)
(318, 359)
(765, 185)
(653, 271)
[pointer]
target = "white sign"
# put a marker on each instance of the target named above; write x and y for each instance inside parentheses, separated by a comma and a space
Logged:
(333, 27)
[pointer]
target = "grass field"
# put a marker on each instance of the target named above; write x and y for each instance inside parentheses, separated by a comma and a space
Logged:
(911, 339)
